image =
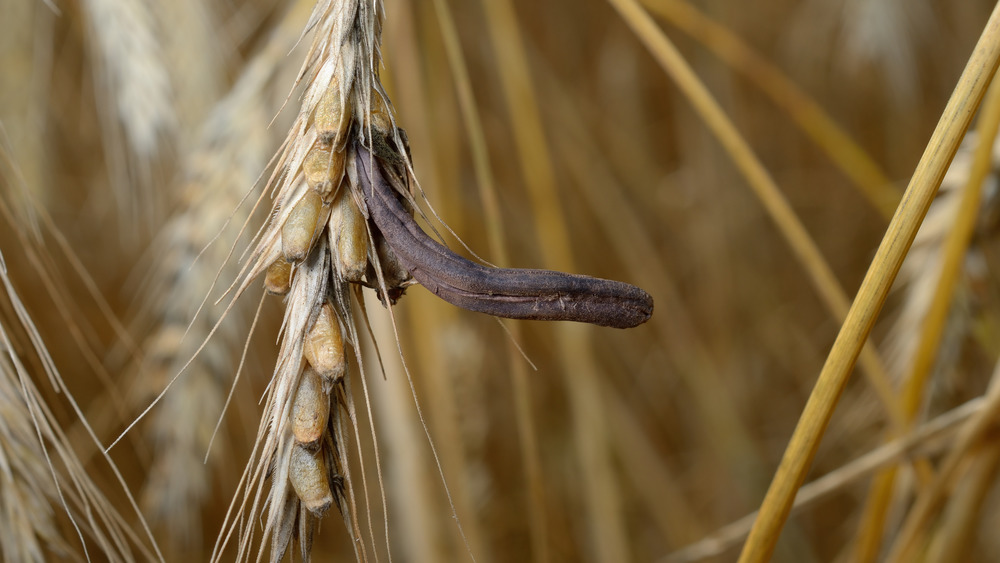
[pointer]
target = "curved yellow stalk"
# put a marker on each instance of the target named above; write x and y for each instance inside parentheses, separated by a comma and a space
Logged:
(761, 182)
(845, 153)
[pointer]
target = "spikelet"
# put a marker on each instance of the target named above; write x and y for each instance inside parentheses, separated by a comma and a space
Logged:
(310, 410)
(333, 117)
(308, 475)
(278, 279)
(303, 226)
(324, 168)
(380, 118)
(324, 347)
(126, 40)
(349, 236)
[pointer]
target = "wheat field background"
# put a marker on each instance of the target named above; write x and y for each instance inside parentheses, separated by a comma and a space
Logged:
(748, 197)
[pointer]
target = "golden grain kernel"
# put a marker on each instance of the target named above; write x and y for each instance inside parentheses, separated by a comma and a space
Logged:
(350, 236)
(324, 346)
(278, 279)
(307, 473)
(324, 168)
(310, 410)
(332, 117)
(301, 226)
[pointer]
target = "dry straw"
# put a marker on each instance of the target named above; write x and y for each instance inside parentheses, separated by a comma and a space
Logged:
(933, 320)
(923, 185)
(805, 112)
(41, 476)
(763, 185)
(928, 439)
(933, 324)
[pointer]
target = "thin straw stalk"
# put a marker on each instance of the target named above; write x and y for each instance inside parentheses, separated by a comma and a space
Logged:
(955, 538)
(955, 247)
(874, 289)
(926, 440)
(964, 450)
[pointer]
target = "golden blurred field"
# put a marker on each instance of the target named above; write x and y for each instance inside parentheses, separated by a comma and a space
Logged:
(136, 136)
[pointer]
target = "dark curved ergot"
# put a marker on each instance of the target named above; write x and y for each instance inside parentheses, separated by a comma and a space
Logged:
(513, 293)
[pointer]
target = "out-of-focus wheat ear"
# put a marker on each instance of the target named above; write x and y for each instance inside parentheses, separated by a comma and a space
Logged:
(231, 152)
(922, 321)
(27, 28)
(916, 285)
(134, 83)
(954, 249)
(197, 57)
(130, 53)
(920, 272)
(889, 35)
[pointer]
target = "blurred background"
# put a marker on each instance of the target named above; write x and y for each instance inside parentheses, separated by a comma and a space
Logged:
(545, 134)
